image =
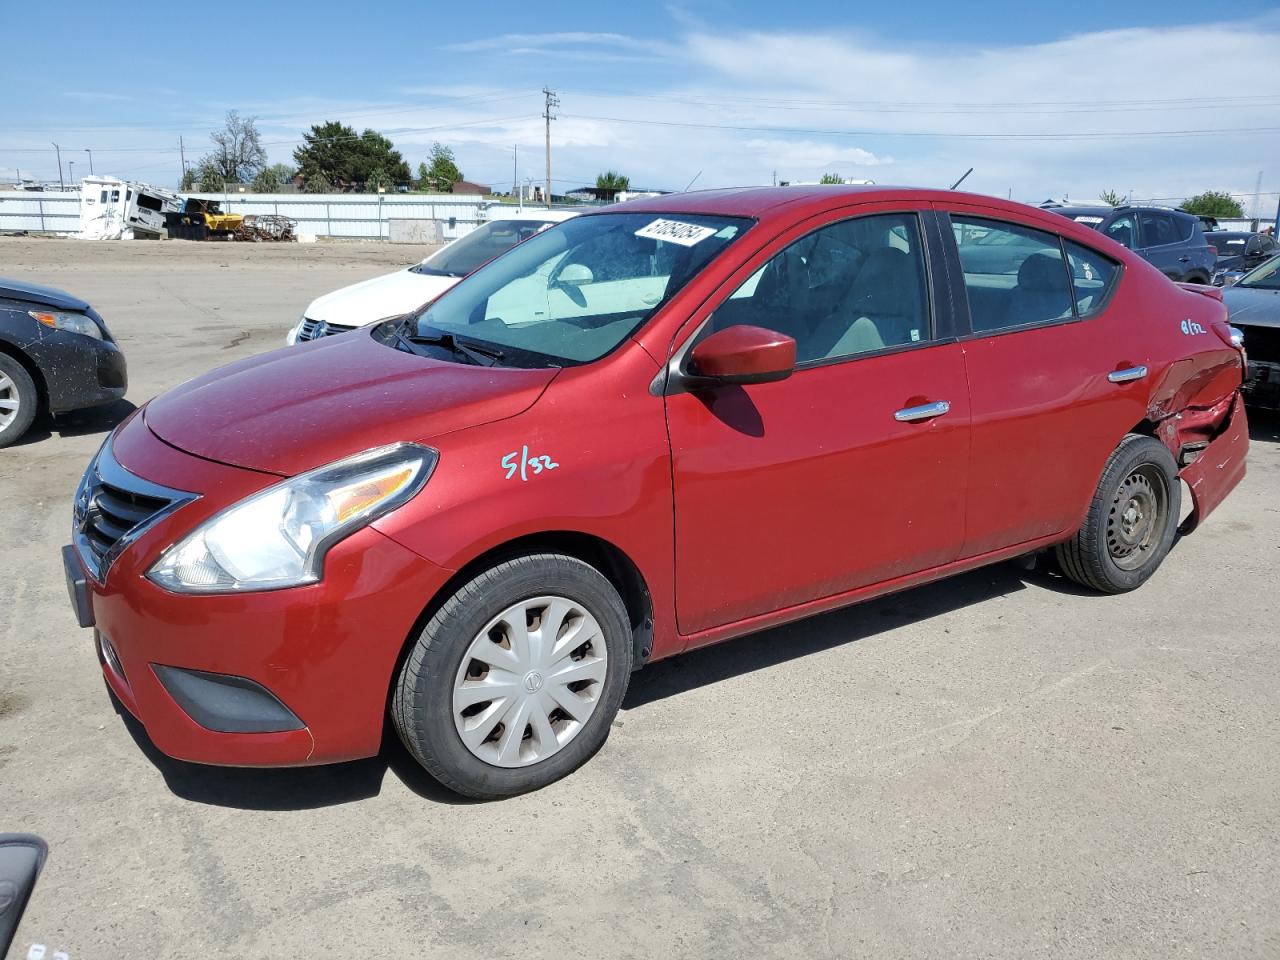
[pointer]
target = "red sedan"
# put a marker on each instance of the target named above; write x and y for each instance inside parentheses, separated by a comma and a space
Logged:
(647, 429)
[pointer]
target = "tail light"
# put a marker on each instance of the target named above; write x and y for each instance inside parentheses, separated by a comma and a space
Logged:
(1213, 251)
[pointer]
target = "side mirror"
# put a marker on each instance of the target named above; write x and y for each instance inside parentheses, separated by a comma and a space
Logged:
(743, 354)
(21, 859)
(575, 275)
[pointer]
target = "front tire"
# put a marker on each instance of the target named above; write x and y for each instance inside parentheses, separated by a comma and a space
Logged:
(18, 400)
(516, 679)
(1132, 519)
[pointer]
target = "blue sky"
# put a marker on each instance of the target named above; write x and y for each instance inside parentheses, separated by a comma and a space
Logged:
(1041, 99)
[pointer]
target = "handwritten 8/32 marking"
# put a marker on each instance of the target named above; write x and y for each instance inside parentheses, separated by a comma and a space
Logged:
(526, 463)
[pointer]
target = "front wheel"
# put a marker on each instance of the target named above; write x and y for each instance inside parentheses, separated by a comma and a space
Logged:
(18, 400)
(1132, 519)
(515, 680)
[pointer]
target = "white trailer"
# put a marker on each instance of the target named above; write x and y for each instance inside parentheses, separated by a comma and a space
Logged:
(114, 209)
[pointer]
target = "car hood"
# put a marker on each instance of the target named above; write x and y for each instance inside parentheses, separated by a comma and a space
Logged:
(371, 300)
(35, 293)
(1251, 306)
(301, 407)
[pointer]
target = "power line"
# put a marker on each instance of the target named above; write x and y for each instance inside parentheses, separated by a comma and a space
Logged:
(1136, 134)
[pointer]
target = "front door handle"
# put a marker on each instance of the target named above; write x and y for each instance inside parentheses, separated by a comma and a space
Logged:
(924, 412)
(1184, 259)
(1124, 376)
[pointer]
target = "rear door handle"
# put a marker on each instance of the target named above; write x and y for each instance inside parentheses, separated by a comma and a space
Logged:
(1184, 259)
(1124, 376)
(924, 412)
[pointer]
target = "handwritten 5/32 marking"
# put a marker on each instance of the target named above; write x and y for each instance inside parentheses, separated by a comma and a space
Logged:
(520, 462)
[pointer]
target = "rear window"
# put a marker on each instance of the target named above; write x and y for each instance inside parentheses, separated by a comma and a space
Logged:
(1093, 277)
(149, 203)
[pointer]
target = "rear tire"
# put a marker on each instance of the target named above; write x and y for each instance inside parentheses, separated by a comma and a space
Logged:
(19, 400)
(1132, 519)
(485, 701)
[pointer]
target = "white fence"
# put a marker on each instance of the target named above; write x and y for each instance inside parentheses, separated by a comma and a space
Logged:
(356, 215)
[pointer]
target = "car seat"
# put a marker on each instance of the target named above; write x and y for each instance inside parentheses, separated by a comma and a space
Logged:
(1043, 292)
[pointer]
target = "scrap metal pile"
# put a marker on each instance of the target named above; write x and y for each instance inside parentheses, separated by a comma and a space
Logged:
(267, 227)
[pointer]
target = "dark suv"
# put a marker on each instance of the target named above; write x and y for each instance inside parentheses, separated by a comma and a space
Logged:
(1171, 240)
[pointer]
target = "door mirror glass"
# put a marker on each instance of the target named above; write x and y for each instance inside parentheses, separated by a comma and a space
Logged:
(575, 275)
(743, 354)
(21, 858)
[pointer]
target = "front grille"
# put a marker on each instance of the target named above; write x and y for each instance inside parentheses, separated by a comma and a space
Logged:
(113, 507)
(1262, 343)
(315, 329)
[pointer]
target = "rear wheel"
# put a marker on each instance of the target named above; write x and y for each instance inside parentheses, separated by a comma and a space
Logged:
(18, 400)
(514, 682)
(1132, 519)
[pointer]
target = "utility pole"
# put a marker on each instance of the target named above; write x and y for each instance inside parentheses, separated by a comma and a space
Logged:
(182, 152)
(58, 150)
(552, 101)
(515, 167)
(71, 170)
(90, 153)
(1257, 197)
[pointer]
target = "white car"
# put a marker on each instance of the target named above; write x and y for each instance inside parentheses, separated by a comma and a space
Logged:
(405, 290)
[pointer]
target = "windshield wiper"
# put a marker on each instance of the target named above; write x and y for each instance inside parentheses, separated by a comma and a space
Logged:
(483, 356)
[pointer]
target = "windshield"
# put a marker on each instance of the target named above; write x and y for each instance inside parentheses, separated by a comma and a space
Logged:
(1265, 277)
(479, 247)
(574, 292)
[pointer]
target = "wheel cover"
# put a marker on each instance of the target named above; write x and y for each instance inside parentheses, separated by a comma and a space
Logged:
(1135, 523)
(529, 681)
(10, 402)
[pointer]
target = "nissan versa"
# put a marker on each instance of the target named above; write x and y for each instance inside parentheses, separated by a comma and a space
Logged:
(644, 430)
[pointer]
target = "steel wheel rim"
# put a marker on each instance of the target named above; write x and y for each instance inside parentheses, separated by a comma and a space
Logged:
(529, 681)
(10, 402)
(1136, 517)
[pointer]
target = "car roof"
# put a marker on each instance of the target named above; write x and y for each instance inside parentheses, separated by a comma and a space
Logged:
(1231, 234)
(757, 201)
(528, 213)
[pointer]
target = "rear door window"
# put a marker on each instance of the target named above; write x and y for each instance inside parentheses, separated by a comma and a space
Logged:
(1014, 276)
(1093, 277)
(1158, 230)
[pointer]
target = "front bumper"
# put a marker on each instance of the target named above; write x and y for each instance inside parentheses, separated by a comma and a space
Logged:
(1262, 389)
(275, 678)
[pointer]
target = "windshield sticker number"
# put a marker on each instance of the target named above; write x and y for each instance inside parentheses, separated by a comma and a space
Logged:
(526, 463)
(673, 231)
(1191, 328)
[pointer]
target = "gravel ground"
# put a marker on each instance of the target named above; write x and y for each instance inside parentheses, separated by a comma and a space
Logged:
(998, 765)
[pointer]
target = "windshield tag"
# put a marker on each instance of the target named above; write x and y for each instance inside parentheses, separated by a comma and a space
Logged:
(673, 231)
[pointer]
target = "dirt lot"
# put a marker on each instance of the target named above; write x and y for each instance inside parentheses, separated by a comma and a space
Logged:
(998, 765)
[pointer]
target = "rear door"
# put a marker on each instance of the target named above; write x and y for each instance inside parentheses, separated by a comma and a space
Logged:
(850, 472)
(1162, 244)
(1044, 334)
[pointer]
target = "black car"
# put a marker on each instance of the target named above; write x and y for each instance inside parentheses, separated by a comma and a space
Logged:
(1171, 240)
(1239, 252)
(56, 355)
(1253, 305)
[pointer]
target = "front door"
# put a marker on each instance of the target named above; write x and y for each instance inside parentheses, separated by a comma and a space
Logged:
(850, 472)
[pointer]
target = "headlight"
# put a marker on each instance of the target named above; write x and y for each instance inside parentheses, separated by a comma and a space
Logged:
(71, 322)
(279, 537)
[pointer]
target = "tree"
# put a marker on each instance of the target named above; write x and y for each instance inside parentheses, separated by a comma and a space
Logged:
(612, 181)
(831, 178)
(188, 180)
(442, 173)
(1111, 198)
(1214, 203)
(316, 184)
(271, 179)
(208, 176)
(334, 152)
(377, 181)
(237, 154)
